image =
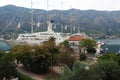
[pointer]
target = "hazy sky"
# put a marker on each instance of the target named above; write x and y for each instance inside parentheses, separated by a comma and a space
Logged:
(67, 4)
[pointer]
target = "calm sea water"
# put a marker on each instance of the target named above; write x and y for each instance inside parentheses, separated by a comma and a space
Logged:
(4, 46)
(111, 46)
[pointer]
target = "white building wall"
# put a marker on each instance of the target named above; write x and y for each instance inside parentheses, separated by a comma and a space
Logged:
(75, 45)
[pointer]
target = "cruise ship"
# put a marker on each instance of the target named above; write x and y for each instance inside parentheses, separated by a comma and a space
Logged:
(38, 37)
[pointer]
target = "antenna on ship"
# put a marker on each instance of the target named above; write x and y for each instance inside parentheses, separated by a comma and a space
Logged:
(78, 21)
(48, 18)
(49, 22)
(47, 11)
(71, 25)
(62, 18)
(32, 12)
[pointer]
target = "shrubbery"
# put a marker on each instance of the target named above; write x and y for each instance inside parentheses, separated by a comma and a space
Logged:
(82, 57)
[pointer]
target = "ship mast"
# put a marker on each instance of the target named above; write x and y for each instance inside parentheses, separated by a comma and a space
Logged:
(78, 21)
(71, 25)
(47, 11)
(49, 22)
(62, 29)
(32, 12)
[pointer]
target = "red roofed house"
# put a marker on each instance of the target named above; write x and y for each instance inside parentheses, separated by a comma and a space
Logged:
(74, 43)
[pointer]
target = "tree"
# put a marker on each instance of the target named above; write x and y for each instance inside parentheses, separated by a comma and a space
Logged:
(37, 58)
(89, 45)
(111, 69)
(82, 57)
(7, 65)
(91, 50)
(66, 55)
(81, 71)
(66, 58)
(108, 57)
(64, 46)
(21, 50)
(118, 58)
(109, 64)
(51, 48)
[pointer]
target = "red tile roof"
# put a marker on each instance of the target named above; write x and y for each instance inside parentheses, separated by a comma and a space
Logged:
(76, 38)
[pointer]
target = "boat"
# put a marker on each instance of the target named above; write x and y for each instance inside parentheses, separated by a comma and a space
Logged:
(38, 37)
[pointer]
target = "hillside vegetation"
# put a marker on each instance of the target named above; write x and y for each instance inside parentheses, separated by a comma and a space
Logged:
(90, 21)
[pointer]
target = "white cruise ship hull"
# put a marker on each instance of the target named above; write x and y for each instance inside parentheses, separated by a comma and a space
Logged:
(22, 42)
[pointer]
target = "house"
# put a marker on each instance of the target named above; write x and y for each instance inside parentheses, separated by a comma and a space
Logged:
(74, 43)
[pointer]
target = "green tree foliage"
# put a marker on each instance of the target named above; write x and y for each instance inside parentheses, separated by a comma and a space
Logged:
(82, 57)
(89, 45)
(109, 57)
(109, 64)
(67, 74)
(66, 59)
(81, 71)
(22, 53)
(64, 46)
(51, 49)
(7, 65)
(66, 55)
(37, 58)
(91, 50)
(111, 69)
(118, 58)
(106, 68)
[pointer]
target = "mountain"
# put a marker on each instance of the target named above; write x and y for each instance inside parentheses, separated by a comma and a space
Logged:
(89, 21)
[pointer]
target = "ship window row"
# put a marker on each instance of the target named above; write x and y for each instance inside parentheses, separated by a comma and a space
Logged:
(42, 38)
(46, 34)
(28, 36)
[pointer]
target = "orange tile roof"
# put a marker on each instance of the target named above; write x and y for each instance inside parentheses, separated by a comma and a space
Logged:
(76, 38)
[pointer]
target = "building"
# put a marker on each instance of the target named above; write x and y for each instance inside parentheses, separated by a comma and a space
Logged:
(74, 43)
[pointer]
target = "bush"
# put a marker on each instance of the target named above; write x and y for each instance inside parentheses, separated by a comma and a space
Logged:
(82, 57)
(91, 50)
(110, 68)
(7, 65)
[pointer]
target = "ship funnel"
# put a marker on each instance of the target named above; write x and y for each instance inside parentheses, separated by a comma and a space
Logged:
(50, 24)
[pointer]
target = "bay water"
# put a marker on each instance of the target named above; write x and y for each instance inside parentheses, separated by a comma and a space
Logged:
(4, 46)
(111, 45)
